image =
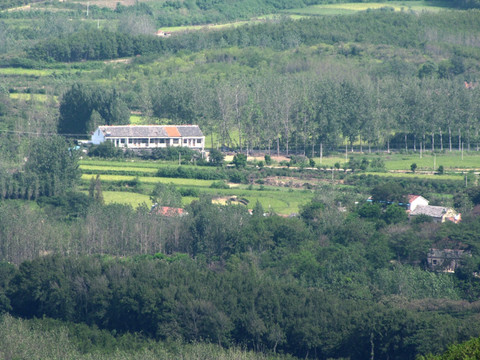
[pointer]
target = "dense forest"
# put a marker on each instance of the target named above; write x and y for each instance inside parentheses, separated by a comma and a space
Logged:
(342, 279)
(308, 84)
(305, 286)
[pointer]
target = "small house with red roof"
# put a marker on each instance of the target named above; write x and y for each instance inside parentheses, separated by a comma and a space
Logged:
(416, 200)
(167, 211)
(418, 205)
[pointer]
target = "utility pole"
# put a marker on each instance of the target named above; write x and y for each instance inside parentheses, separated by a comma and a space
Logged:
(88, 4)
(321, 152)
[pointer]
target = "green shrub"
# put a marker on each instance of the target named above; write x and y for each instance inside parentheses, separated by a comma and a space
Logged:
(268, 159)
(106, 150)
(171, 154)
(219, 185)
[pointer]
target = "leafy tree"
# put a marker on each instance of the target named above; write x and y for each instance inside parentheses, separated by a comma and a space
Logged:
(258, 210)
(268, 159)
(240, 160)
(474, 194)
(413, 167)
(54, 164)
(83, 106)
(388, 192)
(395, 214)
(370, 211)
(166, 195)
(107, 150)
(76, 109)
(216, 157)
(312, 212)
(97, 190)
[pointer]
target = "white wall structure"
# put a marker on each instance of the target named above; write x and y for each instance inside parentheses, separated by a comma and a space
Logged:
(150, 136)
(416, 200)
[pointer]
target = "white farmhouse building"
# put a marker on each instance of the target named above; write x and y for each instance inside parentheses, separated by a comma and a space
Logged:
(150, 136)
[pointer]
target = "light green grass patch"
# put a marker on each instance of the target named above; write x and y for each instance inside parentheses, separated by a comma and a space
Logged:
(329, 161)
(128, 198)
(410, 175)
(143, 120)
(450, 161)
(152, 180)
(111, 164)
(254, 20)
(35, 97)
(140, 170)
(281, 201)
(136, 119)
(349, 8)
(26, 72)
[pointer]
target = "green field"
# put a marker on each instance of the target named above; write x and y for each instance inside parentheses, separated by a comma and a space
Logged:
(450, 161)
(26, 72)
(35, 97)
(350, 8)
(281, 200)
(220, 26)
(140, 170)
(110, 164)
(128, 198)
(410, 175)
(152, 180)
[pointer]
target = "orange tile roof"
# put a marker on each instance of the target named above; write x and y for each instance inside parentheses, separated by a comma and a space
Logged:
(412, 198)
(172, 131)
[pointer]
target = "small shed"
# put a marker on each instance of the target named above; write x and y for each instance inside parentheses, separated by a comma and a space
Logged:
(446, 260)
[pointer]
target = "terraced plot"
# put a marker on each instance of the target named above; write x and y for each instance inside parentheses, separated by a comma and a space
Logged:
(152, 180)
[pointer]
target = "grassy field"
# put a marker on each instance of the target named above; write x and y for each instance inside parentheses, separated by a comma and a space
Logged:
(411, 175)
(128, 198)
(281, 200)
(37, 97)
(225, 25)
(140, 170)
(428, 162)
(350, 8)
(450, 161)
(122, 164)
(152, 180)
(26, 72)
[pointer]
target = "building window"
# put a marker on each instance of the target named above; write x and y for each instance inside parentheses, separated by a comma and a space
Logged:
(175, 141)
(199, 141)
(162, 141)
(130, 141)
(185, 141)
(434, 262)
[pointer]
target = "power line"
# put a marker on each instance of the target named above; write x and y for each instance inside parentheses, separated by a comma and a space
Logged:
(39, 133)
